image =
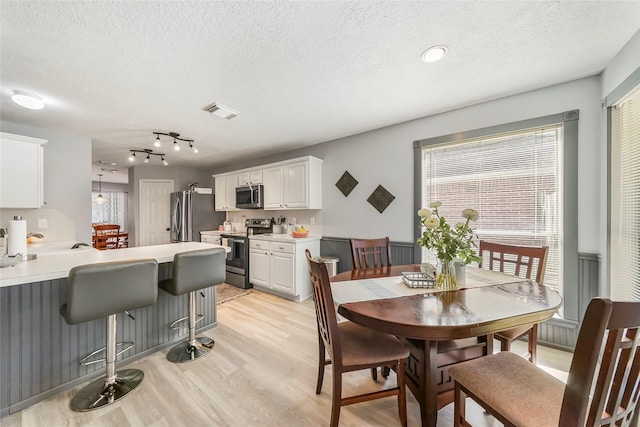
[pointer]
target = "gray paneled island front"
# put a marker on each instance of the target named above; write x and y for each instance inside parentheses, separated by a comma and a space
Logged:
(39, 351)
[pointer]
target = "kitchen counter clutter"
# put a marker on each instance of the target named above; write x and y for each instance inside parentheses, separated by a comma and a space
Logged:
(56, 264)
(286, 238)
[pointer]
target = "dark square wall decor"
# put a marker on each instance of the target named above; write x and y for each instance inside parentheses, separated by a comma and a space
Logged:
(380, 198)
(346, 183)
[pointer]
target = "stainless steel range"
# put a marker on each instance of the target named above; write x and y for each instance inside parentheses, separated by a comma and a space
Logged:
(238, 258)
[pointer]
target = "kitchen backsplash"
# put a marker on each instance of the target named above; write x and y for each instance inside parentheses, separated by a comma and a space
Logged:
(310, 219)
(57, 225)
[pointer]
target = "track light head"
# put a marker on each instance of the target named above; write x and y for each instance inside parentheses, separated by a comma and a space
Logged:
(157, 143)
(194, 149)
(132, 157)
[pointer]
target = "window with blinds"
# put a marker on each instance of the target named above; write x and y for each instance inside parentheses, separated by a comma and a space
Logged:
(624, 238)
(513, 180)
(113, 211)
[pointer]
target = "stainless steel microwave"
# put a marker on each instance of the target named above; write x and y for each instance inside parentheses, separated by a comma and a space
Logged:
(250, 197)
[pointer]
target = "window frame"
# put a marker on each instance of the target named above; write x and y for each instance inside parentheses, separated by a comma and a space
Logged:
(610, 101)
(569, 180)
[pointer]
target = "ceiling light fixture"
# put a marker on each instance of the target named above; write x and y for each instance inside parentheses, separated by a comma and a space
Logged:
(433, 54)
(149, 153)
(27, 100)
(221, 111)
(176, 138)
(100, 198)
(194, 149)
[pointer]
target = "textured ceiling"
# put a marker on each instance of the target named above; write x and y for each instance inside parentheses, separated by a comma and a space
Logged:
(299, 73)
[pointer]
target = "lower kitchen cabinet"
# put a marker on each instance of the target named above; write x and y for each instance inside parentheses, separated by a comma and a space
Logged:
(278, 265)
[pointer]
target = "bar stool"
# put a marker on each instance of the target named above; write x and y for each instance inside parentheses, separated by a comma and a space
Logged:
(102, 290)
(192, 271)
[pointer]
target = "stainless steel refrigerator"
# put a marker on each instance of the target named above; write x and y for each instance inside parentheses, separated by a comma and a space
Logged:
(192, 213)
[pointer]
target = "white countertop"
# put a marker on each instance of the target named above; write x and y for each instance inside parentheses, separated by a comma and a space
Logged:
(284, 238)
(57, 264)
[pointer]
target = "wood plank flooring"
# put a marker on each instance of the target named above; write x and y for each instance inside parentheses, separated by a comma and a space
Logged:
(261, 372)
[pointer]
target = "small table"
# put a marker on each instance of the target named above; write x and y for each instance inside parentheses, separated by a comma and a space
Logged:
(441, 328)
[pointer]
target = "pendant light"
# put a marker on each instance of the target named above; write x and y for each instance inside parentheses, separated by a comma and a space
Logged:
(100, 198)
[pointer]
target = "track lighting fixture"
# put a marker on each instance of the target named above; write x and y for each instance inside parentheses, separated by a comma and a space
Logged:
(176, 138)
(149, 153)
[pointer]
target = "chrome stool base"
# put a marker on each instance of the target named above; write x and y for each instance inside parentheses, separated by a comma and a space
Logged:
(186, 351)
(97, 394)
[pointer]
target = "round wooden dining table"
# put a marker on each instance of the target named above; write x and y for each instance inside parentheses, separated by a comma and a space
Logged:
(440, 328)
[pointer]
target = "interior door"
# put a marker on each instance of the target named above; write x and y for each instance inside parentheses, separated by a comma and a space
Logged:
(155, 211)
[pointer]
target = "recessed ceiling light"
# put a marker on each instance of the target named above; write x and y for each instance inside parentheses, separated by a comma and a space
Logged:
(27, 100)
(434, 53)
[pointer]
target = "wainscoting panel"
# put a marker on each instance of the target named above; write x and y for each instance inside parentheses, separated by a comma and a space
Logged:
(39, 351)
(558, 333)
(401, 253)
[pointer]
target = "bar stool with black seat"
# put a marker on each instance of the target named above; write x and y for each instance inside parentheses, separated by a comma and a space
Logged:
(192, 271)
(103, 290)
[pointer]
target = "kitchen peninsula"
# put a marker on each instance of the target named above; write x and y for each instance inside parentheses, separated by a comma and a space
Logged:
(39, 351)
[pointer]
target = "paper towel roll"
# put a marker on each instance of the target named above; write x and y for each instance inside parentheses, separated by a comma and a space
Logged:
(17, 237)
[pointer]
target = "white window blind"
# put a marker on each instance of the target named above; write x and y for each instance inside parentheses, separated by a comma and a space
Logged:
(625, 199)
(514, 182)
(113, 211)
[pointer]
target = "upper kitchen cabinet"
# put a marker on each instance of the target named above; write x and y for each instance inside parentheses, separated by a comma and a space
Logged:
(21, 171)
(250, 177)
(225, 192)
(295, 184)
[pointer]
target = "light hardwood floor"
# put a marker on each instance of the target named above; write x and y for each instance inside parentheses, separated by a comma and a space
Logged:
(262, 372)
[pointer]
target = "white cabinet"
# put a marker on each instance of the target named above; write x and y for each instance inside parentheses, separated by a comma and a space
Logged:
(259, 263)
(250, 177)
(225, 192)
(281, 267)
(21, 171)
(294, 185)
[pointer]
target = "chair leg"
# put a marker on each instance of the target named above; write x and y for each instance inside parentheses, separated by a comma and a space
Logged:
(336, 398)
(505, 344)
(402, 393)
(459, 410)
(533, 344)
(321, 363)
(374, 374)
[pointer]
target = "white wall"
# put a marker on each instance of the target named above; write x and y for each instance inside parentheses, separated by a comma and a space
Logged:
(67, 185)
(385, 157)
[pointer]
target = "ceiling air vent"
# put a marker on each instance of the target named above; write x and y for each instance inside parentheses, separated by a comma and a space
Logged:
(221, 111)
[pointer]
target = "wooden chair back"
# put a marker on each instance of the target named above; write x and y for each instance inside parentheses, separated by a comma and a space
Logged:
(325, 309)
(610, 329)
(528, 262)
(107, 236)
(370, 253)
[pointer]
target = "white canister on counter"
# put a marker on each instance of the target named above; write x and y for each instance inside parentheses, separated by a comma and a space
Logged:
(17, 242)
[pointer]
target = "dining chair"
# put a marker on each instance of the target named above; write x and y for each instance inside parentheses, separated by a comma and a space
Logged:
(370, 253)
(347, 347)
(527, 262)
(107, 236)
(602, 387)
